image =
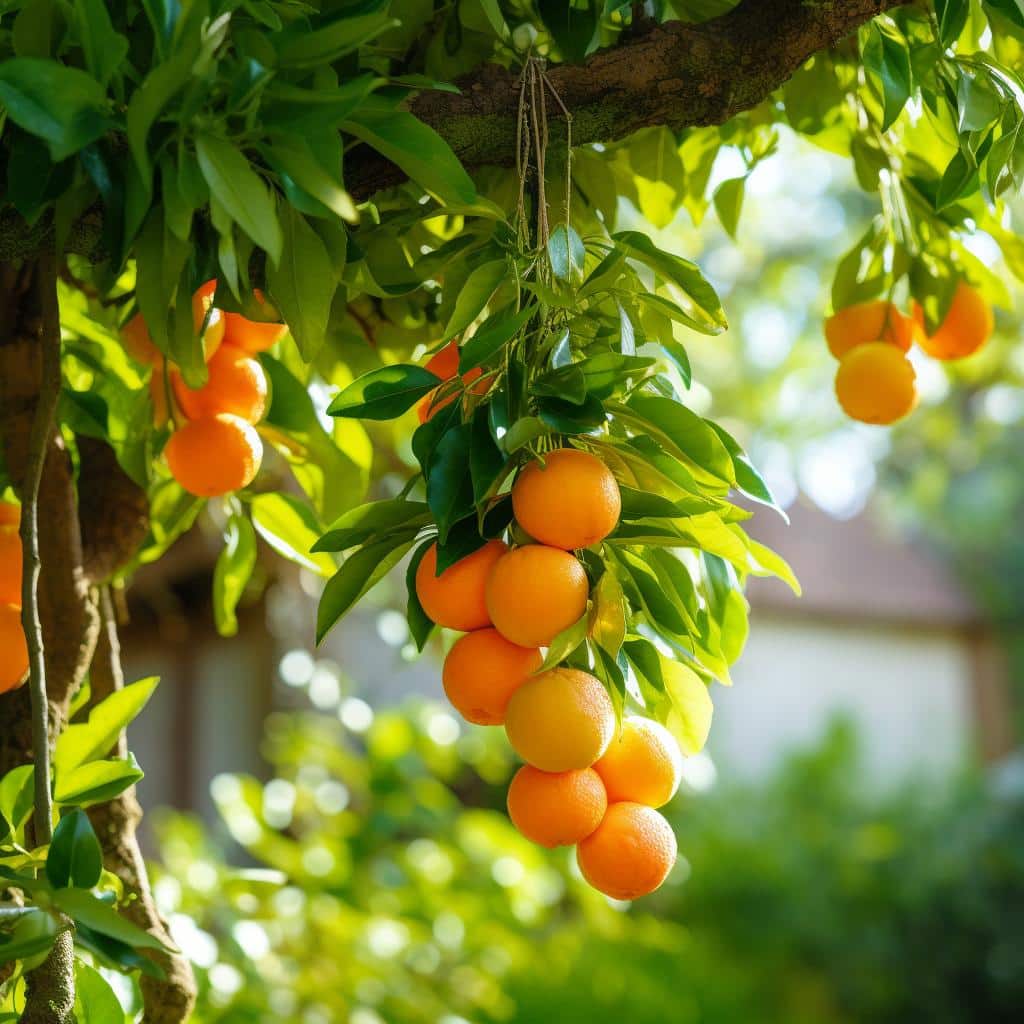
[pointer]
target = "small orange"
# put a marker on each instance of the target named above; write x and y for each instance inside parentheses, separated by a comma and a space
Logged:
(482, 671)
(864, 322)
(214, 455)
(535, 592)
(10, 566)
(455, 599)
(875, 383)
(252, 335)
(643, 764)
(13, 649)
(445, 362)
(556, 808)
(569, 501)
(237, 384)
(631, 852)
(139, 344)
(966, 328)
(560, 720)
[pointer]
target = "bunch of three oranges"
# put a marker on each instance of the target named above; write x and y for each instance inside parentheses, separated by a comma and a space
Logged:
(581, 785)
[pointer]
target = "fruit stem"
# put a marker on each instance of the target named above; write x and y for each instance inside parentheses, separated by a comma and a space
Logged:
(39, 443)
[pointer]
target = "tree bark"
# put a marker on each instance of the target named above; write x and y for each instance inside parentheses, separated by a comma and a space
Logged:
(674, 74)
(167, 1000)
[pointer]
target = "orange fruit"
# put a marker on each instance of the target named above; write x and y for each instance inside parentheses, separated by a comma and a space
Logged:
(630, 853)
(10, 566)
(875, 383)
(445, 364)
(569, 501)
(214, 455)
(10, 515)
(237, 384)
(967, 326)
(252, 335)
(139, 344)
(482, 671)
(13, 649)
(865, 322)
(535, 592)
(643, 764)
(561, 720)
(455, 599)
(556, 808)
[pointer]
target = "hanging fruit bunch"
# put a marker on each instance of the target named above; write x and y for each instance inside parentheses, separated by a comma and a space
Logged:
(571, 518)
(213, 448)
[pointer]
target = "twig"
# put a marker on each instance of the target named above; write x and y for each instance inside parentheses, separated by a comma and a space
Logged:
(39, 443)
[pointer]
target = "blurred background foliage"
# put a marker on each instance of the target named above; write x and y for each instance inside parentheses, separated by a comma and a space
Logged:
(411, 898)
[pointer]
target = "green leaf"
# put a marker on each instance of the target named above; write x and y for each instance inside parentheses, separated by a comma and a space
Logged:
(417, 149)
(242, 193)
(608, 614)
(338, 36)
(487, 463)
(420, 624)
(572, 25)
(74, 857)
(689, 716)
(359, 524)
(492, 336)
(232, 572)
(705, 306)
(769, 563)
(294, 157)
(748, 479)
(959, 179)
(16, 795)
(566, 642)
(104, 47)
(289, 526)
(96, 781)
(32, 936)
(156, 91)
(474, 296)
(952, 17)
(384, 393)
(887, 56)
(566, 253)
(449, 482)
(86, 909)
(61, 105)
(361, 571)
(566, 417)
(728, 200)
(95, 1001)
(94, 738)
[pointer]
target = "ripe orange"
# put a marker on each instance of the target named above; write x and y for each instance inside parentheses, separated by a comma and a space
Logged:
(10, 566)
(643, 764)
(214, 455)
(13, 649)
(482, 671)
(571, 501)
(865, 322)
(10, 515)
(237, 384)
(556, 808)
(138, 342)
(561, 720)
(631, 852)
(967, 326)
(252, 335)
(445, 364)
(455, 599)
(535, 592)
(875, 384)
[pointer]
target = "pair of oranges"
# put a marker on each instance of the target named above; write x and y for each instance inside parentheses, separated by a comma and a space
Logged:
(13, 649)
(876, 382)
(216, 450)
(581, 783)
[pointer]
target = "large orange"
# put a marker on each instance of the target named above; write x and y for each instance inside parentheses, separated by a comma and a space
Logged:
(252, 335)
(560, 720)
(214, 455)
(556, 808)
(875, 383)
(865, 322)
(455, 599)
(236, 384)
(643, 764)
(13, 649)
(482, 671)
(535, 592)
(569, 501)
(631, 852)
(967, 326)
(139, 344)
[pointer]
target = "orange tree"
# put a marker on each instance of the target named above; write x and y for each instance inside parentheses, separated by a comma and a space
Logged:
(231, 232)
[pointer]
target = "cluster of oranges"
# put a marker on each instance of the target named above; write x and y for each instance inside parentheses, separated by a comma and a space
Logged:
(582, 784)
(875, 382)
(13, 649)
(214, 449)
